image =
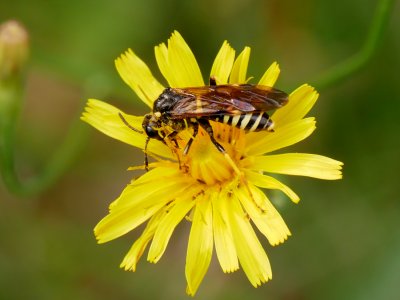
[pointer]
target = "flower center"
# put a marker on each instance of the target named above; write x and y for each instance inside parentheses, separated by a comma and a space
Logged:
(206, 163)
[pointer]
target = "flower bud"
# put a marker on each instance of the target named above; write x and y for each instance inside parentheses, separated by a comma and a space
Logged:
(13, 48)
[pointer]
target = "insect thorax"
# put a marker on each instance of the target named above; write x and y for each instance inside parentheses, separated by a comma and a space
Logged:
(166, 101)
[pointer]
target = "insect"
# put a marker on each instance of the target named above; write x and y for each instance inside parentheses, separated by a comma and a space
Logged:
(243, 106)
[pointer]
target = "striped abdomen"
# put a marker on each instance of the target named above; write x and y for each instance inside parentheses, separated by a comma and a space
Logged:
(255, 121)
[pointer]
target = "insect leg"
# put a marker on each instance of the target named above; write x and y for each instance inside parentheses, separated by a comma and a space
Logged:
(213, 82)
(195, 131)
(205, 124)
(146, 158)
(172, 137)
(207, 127)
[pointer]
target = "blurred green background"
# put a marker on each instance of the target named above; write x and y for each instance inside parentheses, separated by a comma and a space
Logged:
(346, 239)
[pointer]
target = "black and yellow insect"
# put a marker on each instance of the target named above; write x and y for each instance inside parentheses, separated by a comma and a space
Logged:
(244, 106)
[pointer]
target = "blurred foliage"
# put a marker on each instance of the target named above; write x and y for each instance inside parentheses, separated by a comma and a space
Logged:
(345, 241)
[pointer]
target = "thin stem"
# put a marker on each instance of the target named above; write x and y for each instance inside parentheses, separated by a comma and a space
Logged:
(11, 92)
(353, 64)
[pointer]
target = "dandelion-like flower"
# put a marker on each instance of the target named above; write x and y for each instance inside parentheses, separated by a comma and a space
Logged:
(220, 194)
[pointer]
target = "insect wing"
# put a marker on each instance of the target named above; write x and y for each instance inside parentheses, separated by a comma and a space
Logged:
(227, 100)
(261, 97)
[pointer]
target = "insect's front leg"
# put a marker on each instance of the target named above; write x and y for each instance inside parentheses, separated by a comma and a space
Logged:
(172, 138)
(146, 157)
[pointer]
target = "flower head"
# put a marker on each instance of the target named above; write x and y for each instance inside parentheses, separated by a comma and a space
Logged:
(219, 193)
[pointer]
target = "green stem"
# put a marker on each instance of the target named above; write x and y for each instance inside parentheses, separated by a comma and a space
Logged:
(353, 64)
(11, 95)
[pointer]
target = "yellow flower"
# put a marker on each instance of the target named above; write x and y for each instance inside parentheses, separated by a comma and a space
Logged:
(220, 195)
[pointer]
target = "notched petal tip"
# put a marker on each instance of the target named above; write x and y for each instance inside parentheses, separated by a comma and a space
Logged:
(271, 75)
(177, 63)
(223, 63)
(98, 237)
(300, 103)
(268, 182)
(200, 246)
(239, 69)
(301, 164)
(252, 256)
(138, 76)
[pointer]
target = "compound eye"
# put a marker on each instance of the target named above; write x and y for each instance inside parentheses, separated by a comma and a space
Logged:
(152, 132)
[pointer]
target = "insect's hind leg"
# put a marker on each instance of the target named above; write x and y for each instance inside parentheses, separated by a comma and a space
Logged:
(205, 124)
(213, 81)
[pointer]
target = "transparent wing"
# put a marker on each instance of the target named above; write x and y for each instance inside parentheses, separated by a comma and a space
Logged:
(227, 100)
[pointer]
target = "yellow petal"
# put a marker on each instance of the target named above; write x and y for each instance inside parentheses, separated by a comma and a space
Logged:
(138, 76)
(300, 103)
(163, 173)
(252, 256)
(239, 70)
(200, 245)
(269, 182)
(134, 207)
(283, 136)
(301, 164)
(168, 223)
(177, 63)
(271, 75)
(223, 62)
(204, 156)
(105, 118)
(143, 186)
(132, 257)
(224, 245)
(264, 215)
